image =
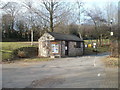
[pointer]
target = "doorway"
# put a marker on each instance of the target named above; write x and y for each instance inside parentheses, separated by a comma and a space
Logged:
(66, 47)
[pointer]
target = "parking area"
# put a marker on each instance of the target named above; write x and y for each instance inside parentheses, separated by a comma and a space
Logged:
(71, 72)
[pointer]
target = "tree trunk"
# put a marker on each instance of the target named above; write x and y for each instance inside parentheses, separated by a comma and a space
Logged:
(51, 23)
(51, 17)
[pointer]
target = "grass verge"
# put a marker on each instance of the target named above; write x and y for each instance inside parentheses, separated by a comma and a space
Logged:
(29, 60)
(91, 51)
(36, 59)
(7, 48)
(111, 62)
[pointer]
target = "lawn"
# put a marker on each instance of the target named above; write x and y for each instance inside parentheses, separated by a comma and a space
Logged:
(9, 47)
(105, 41)
(14, 45)
(90, 51)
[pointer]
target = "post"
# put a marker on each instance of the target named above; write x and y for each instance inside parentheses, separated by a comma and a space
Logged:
(111, 34)
(31, 37)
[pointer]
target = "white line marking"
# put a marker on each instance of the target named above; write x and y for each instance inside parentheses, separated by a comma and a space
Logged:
(94, 62)
(98, 74)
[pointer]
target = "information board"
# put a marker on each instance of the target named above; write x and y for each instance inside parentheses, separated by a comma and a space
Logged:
(55, 48)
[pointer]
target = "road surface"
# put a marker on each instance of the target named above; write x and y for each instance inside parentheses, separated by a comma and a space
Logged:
(71, 72)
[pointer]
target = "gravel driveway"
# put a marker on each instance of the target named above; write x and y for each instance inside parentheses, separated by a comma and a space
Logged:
(71, 72)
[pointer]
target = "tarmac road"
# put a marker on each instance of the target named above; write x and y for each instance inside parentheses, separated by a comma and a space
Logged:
(71, 72)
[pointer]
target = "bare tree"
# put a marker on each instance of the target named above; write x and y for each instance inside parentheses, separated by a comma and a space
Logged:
(53, 12)
(11, 8)
(30, 17)
(96, 16)
(80, 11)
(109, 9)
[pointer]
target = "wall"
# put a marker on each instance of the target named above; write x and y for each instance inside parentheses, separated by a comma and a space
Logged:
(62, 48)
(44, 49)
(75, 51)
(45, 45)
(72, 50)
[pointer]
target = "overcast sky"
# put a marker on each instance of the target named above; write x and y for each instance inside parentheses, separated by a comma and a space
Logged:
(88, 3)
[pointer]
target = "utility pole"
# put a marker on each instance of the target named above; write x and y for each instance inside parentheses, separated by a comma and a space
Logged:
(31, 37)
(111, 34)
(31, 21)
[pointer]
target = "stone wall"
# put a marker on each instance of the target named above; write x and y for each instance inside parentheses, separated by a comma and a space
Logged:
(72, 50)
(45, 49)
(75, 51)
(62, 48)
(45, 45)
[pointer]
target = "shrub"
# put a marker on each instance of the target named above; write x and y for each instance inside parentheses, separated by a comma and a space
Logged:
(111, 62)
(25, 52)
(21, 54)
(114, 49)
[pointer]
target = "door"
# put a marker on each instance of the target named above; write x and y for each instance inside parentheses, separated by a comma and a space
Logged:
(66, 47)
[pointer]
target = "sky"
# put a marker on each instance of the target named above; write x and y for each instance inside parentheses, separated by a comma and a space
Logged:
(88, 3)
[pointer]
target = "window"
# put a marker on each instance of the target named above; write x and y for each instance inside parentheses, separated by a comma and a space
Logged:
(78, 45)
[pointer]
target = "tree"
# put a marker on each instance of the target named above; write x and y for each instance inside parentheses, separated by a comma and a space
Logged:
(12, 9)
(73, 29)
(109, 9)
(10, 12)
(96, 16)
(6, 26)
(29, 6)
(53, 13)
(111, 13)
(80, 11)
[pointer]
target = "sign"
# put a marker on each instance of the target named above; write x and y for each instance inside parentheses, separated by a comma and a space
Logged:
(89, 45)
(111, 33)
(85, 45)
(94, 44)
(55, 48)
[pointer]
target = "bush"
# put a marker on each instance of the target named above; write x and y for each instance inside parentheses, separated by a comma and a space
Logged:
(111, 62)
(21, 54)
(114, 49)
(25, 52)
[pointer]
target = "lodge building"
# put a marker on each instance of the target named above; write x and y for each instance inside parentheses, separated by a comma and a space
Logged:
(53, 45)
